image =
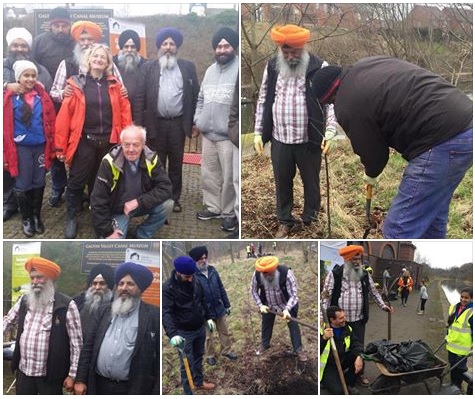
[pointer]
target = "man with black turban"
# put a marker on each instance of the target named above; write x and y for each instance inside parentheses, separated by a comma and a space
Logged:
(168, 120)
(129, 61)
(100, 283)
(121, 351)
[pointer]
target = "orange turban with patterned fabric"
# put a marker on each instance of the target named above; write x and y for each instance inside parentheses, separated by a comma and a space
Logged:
(290, 35)
(86, 26)
(350, 251)
(267, 264)
(44, 266)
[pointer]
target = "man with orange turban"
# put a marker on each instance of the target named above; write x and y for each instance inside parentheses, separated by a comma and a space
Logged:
(349, 287)
(288, 116)
(45, 358)
(274, 289)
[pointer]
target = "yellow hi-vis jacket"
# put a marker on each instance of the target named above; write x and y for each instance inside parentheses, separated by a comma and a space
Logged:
(326, 352)
(459, 334)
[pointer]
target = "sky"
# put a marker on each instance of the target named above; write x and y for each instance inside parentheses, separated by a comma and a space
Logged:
(444, 254)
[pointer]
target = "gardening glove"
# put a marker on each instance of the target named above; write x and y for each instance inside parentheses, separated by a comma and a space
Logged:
(177, 341)
(211, 325)
(258, 144)
(228, 311)
(264, 309)
(286, 315)
(372, 181)
(329, 142)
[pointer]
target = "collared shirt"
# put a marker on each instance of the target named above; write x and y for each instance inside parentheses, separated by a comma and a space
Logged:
(289, 110)
(170, 96)
(351, 297)
(61, 78)
(118, 345)
(275, 296)
(34, 341)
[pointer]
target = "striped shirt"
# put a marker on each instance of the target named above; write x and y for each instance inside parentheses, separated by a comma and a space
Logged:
(34, 341)
(289, 110)
(275, 297)
(351, 297)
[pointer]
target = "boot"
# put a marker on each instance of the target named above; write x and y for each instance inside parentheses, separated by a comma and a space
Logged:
(26, 210)
(37, 195)
(73, 199)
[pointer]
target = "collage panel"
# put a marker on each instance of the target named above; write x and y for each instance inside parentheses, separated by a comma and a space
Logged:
(121, 121)
(81, 317)
(396, 317)
(239, 318)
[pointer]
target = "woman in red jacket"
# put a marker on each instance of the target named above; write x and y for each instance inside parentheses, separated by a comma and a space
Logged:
(88, 124)
(28, 136)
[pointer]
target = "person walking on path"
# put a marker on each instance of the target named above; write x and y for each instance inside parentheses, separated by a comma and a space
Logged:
(424, 296)
(405, 284)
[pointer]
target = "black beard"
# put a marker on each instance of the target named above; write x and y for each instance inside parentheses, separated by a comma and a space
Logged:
(223, 59)
(12, 56)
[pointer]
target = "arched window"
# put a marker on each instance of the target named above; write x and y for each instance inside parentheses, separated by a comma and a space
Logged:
(388, 252)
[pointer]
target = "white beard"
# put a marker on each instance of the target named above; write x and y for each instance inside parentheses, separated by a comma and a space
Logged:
(352, 274)
(122, 306)
(94, 300)
(77, 54)
(38, 300)
(166, 62)
(286, 71)
(272, 283)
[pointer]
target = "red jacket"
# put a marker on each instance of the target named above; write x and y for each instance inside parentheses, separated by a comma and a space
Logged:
(10, 156)
(70, 119)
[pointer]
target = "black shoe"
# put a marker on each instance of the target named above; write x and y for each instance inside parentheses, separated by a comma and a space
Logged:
(38, 225)
(176, 207)
(229, 224)
(28, 228)
(55, 199)
(231, 356)
(71, 229)
(8, 213)
(207, 215)
(211, 361)
(233, 236)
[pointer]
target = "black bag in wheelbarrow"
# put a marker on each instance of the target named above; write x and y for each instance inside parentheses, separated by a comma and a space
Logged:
(404, 357)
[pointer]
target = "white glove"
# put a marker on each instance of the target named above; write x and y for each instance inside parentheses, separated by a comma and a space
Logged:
(372, 181)
(264, 309)
(258, 144)
(329, 142)
(286, 315)
(177, 340)
(211, 325)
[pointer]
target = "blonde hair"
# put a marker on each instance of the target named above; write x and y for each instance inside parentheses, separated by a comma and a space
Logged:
(88, 54)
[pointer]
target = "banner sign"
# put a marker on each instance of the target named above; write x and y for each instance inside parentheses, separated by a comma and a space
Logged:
(152, 261)
(117, 26)
(21, 252)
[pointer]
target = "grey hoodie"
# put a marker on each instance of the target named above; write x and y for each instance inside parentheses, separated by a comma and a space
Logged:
(215, 99)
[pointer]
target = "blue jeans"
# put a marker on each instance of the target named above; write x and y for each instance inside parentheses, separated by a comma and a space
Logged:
(421, 206)
(194, 350)
(156, 218)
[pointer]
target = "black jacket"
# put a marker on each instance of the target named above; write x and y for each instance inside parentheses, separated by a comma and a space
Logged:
(387, 103)
(183, 309)
(144, 369)
(156, 188)
(145, 109)
(43, 75)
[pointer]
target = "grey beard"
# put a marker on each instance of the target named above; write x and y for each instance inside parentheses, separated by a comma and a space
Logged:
(203, 267)
(272, 283)
(93, 300)
(352, 274)
(122, 306)
(12, 56)
(39, 300)
(77, 54)
(129, 62)
(166, 62)
(288, 71)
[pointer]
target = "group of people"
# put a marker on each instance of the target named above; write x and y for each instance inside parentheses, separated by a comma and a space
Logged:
(195, 306)
(381, 103)
(105, 341)
(345, 313)
(112, 129)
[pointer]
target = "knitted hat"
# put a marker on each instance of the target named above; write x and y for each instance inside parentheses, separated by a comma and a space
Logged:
(19, 33)
(59, 14)
(129, 34)
(290, 35)
(141, 275)
(197, 252)
(267, 264)
(231, 36)
(91, 28)
(44, 266)
(350, 251)
(21, 66)
(103, 270)
(165, 33)
(185, 265)
(325, 81)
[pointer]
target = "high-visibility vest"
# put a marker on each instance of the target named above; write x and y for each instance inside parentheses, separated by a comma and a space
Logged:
(326, 352)
(459, 334)
(150, 164)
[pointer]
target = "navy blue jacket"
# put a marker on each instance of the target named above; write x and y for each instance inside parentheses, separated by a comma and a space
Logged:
(215, 294)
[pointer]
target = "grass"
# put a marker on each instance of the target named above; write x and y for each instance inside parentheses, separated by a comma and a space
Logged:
(346, 196)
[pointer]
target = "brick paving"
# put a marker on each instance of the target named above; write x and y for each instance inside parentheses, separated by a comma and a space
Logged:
(183, 225)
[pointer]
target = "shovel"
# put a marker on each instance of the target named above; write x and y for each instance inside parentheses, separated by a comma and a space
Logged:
(369, 197)
(182, 354)
(280, 314)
